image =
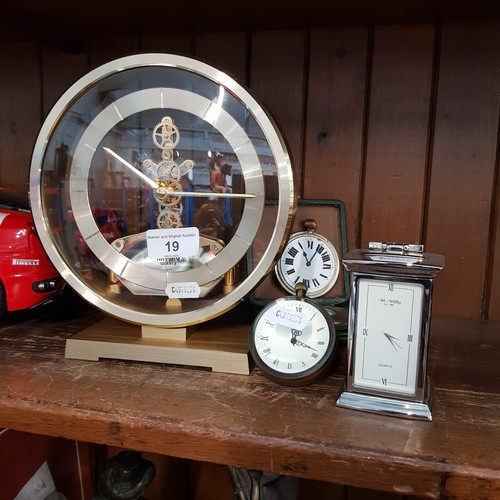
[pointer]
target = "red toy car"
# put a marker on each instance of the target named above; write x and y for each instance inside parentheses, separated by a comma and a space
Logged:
(27, 277)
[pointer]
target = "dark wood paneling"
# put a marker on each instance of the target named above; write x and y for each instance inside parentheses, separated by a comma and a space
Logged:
(277, 77)
(225, 51)
(335, 117)
(493, 271)
(396, 149)
(64, 23)
(105, 49)
(463, 163)
(416, 163)
(20, 112)
(22, 454)
(59, 71)
(171, 44)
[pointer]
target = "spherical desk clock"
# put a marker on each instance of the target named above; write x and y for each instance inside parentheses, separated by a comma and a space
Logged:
(147, 187)
(293, 339)
(388, 335)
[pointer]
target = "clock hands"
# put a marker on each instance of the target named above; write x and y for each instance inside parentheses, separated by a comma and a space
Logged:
(295, 341)
(304, 254)
(393, 340)
(319, 248)
(164, 191)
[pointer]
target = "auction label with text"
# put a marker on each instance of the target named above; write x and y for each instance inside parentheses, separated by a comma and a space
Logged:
(173, 242)
(185, 290)
(287, 317)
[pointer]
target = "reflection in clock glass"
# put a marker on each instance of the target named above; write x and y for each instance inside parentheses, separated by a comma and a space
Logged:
(111, 169)
(187, 167)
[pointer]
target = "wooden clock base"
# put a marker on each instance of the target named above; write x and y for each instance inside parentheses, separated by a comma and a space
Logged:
(222, 348)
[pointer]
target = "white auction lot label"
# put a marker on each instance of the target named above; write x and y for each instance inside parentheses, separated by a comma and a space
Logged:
(287, 317)
(184, 290)
(173, 242)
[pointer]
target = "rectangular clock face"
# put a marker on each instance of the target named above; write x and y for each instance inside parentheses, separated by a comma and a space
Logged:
(387, 336)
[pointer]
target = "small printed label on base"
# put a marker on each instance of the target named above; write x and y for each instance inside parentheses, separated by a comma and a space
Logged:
(187, 290)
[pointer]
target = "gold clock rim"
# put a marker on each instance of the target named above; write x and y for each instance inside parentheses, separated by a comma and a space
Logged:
(286, 201)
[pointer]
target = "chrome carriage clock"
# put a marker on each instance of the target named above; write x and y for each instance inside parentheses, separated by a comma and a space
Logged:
(389, 322)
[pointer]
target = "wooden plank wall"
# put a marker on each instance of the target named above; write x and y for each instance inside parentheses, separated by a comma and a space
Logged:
(399, 122)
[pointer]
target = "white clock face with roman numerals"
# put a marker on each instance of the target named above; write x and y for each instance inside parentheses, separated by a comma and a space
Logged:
(293, 340)
(311, 259)
(387, 336)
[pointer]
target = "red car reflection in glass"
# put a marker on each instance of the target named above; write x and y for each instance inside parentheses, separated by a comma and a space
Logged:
(27, 277)
(108, 224)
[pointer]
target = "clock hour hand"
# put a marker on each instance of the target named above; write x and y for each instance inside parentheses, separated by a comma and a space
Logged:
(393, 340)
(169, 192)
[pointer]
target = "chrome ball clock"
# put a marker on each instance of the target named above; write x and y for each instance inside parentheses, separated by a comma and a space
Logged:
(388, 333)
(293, 339)
(122, 195)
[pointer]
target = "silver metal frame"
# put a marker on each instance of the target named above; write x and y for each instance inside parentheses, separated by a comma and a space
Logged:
(399, 265)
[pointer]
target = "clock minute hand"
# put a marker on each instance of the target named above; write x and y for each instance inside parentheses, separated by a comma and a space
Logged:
(393, 340)
(308, 262)
(169, 192)
(315, 252)
(136, 172)
(296, 341)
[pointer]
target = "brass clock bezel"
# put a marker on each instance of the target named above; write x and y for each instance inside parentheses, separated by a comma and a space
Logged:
(135, 102)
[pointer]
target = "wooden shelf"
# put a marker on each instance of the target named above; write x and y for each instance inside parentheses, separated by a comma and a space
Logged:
(251, 422)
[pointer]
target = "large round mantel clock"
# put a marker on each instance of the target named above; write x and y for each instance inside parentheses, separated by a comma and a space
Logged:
(147, 187)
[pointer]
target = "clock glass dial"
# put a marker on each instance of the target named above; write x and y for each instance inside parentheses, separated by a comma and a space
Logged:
(387, 335)
(293, 339)
(148, 188)
(311, 259)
